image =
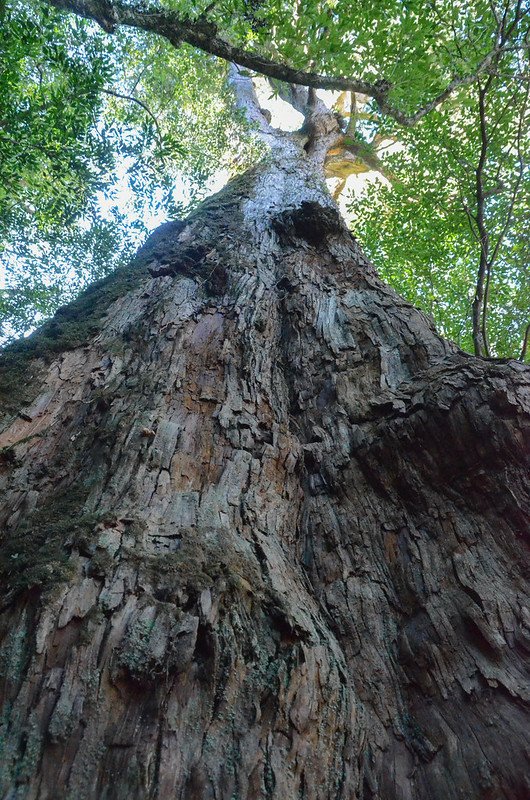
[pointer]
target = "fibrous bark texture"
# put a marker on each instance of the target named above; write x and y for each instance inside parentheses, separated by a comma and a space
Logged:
(263, 530)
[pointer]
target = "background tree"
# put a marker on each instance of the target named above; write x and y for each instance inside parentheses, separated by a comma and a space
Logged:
(460, 203)
(78, 136)
(262, 531)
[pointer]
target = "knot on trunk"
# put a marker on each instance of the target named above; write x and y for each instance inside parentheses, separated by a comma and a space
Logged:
(159, 640)
(310, 221)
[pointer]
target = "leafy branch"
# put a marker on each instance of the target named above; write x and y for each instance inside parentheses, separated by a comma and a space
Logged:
(140, 103)
(203, 34)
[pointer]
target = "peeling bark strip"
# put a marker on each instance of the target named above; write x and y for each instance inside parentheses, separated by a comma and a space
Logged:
(264, 539)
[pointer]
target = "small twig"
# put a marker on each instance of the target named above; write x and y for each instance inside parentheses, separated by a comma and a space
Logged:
(142, 72)
(139, 103)
(352, 122)
(525, 343)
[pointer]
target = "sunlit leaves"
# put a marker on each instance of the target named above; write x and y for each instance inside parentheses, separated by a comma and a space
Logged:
(90, 124)
(417, 47)
(51, 154)
(55, 155)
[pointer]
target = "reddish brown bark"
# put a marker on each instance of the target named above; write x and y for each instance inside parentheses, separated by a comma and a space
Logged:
(263, 530)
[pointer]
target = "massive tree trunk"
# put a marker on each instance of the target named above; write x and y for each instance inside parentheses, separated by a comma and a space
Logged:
(263, 528)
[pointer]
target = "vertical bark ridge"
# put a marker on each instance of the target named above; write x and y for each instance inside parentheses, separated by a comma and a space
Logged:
(263, 533)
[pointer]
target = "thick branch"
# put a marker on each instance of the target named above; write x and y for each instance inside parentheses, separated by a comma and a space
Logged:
(204, 35)
(247, 101)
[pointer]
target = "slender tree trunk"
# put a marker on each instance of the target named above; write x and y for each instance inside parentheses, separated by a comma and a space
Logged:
(263, 528)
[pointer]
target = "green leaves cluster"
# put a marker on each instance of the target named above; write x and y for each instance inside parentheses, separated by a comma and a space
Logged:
(421, 230)
(52, 156)
(417, 47)
(99, 136)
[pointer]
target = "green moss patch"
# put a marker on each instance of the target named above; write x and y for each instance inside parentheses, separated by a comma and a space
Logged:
(37, 552)
(72, 326)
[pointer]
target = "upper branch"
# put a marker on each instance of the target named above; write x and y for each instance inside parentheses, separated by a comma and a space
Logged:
(247, 101)
(204, 35)
(138, 102)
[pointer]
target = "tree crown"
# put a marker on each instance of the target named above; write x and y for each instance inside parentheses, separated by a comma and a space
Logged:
(432, 98)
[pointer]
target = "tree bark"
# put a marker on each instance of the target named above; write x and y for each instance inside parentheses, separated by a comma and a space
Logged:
(263, 529)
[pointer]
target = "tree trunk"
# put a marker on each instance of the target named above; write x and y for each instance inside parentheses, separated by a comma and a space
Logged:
(263, 528)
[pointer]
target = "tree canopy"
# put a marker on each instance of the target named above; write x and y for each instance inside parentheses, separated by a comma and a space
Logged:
(131, 100)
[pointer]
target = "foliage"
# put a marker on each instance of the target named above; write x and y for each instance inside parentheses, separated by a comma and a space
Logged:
(51, 155)
(421, 230)
(417, 47)
(83, 167)
(53, 159)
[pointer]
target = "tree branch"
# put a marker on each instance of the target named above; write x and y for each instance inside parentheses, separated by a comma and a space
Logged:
(525, 343)
(482, 289)
(519, 178)
(138, 102)
(247, 101)
(484, 271)
(204, 35)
